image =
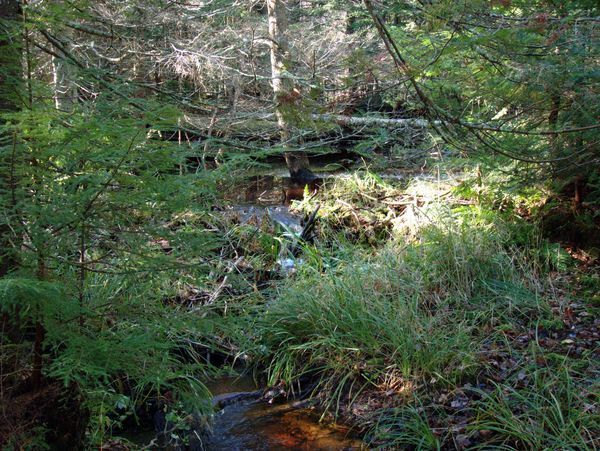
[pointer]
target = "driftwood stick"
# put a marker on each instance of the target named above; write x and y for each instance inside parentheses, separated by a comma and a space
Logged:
(310, 224)
(294, 248)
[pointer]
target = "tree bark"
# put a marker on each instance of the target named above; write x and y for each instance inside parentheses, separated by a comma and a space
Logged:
(10, 54)
(10, 81)
(285, 96)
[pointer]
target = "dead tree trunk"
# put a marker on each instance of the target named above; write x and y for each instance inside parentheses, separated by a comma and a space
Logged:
(284, 95)
(65, 93)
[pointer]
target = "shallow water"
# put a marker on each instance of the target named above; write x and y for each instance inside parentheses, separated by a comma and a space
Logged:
(258, 425)
(250, 423)
(269, 190)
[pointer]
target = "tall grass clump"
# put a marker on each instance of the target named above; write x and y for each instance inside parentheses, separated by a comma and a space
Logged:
(553, 411)
(399, 428)
(415, 309)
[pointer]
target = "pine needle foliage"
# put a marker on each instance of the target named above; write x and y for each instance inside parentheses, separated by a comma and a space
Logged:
(92, 195)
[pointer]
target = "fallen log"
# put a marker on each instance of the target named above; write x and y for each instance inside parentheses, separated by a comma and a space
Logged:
(370, 120)
(245, 121)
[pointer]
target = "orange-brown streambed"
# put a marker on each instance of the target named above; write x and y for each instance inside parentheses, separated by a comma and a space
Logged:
(258, 425)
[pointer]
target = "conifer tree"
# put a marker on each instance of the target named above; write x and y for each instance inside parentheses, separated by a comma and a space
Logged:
(10, 80)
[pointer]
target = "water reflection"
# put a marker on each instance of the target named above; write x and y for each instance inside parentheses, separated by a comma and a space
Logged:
(268, 190)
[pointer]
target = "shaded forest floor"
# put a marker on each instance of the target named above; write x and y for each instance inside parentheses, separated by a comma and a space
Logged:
(433, 313)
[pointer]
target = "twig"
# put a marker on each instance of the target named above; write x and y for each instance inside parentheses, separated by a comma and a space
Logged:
(310, 224)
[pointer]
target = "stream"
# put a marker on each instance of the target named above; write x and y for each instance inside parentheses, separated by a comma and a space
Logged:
(254, 424)
(257, 425)
(249, 423)
(243, 420)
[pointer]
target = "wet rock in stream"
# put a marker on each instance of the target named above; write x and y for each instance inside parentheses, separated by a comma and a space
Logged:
(253, 214)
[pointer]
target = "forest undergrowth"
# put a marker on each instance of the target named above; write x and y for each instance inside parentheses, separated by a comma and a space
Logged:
(428, 312)
(445, 297)
(435, 315)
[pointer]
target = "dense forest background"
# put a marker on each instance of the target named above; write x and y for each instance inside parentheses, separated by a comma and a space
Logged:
(443, 288)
